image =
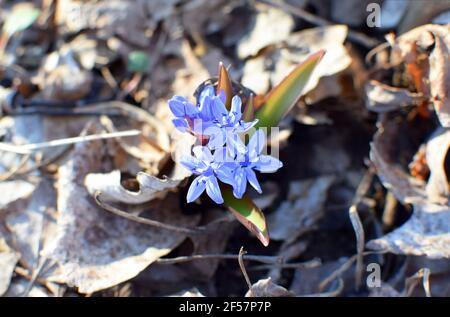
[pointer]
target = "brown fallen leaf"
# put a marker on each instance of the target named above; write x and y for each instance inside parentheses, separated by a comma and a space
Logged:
(266, 288)
(383, 98)
(13, 191)
(8, 261)
(95, 250)
(427, 232)
(271, 26)
(437, 148)
(302, 210)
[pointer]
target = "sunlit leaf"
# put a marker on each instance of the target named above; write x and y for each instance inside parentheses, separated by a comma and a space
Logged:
(138, 62)
(284, 96)
(21, 17)
(225, 84)
(247, 213)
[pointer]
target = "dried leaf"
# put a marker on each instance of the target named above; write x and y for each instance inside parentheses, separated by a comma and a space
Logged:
(440, 76)
(302, 210)
(13, 191)
(110, 185)
(383, 98)
(271, 26)
(427, 232)
(437, 149)
(95, 250)
(266, 288)
(32, 227)
(8, 261)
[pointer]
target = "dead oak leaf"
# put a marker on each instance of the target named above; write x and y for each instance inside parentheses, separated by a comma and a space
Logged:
(95, 250)
(427, 233)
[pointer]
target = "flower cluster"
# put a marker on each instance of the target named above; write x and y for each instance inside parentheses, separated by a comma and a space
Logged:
(222, 156)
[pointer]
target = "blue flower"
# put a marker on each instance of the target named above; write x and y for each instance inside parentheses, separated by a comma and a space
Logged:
(209, 167)
(231, 162)
(249, 160)
(210, 118)
(227, 124)
(191, 117)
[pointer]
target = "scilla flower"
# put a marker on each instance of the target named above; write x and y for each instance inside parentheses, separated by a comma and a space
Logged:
(250, 159)
(227, 124)
(222, 156)
(209, 167)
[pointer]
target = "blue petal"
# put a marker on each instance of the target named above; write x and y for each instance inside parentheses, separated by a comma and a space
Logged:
(256, 144)
(251, 177)
(226, 174)
(236, 112)
(177, 107)
(213, 190)
(208, 91)
(192, 163)
(217, 140)
(219, 111)
(180, 107)
(243, 126)
(235, 143)
(268, 164)
(202, 153)
(220, 155)
(180, 124)
(205, 109)
(240, 183)
(196, 189)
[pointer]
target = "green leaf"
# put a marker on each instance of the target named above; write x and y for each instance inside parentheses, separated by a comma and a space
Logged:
(247, 213)
(283, 97)
(138, 62)
(21, 17)
(249, 111)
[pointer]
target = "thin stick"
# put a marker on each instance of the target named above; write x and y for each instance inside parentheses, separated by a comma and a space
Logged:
(29, 148)
(146, 221)
(355, 36)
(300, 265)
(426, 282)
(344, 267)
(243, 270)
(362, 189)
(272, 260)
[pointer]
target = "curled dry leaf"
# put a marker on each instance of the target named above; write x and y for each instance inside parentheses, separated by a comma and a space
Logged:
(431, 77)
(383, 98)
(407, 189)
(436, 152)
(110, 185)
(266, 288)
(8, 261)
(94, 249)
(150, 187)
(427, 232)
(302, 210)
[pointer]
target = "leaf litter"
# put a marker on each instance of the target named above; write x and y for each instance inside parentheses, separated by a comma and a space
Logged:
(94, 68)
